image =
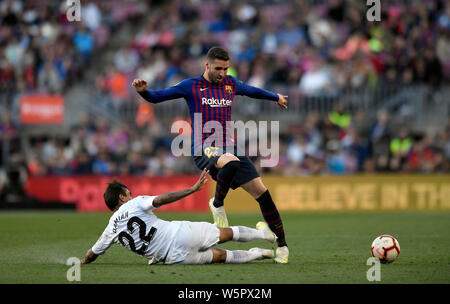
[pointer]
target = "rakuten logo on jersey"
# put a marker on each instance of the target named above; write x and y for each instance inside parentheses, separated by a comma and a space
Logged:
(212, 102)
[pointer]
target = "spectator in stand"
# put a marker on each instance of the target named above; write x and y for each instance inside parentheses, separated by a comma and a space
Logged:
(379, 135)
(8, 130)
(318, 80)
(84, 43)
(118, 86)
(401, 145)
(340, 118)
(81, 164)
(100, 164)
(126, 60)
(443, 51)
(48, 79)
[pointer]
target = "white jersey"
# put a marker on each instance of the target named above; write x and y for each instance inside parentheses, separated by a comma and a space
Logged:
(135, 227)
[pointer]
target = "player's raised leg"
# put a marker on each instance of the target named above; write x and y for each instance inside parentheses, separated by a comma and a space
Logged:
(227, 166)
(258, 191)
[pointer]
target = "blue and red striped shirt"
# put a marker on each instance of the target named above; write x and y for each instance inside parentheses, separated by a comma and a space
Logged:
(209, 104)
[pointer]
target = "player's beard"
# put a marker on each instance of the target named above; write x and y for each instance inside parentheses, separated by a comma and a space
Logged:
(214, 79)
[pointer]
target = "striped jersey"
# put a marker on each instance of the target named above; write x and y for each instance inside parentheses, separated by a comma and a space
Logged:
(209, 106)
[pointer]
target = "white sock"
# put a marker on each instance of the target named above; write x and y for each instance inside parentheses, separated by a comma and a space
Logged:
(246, 234)
(242, 256)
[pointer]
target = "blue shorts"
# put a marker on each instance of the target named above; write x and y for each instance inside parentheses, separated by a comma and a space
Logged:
(209, 157)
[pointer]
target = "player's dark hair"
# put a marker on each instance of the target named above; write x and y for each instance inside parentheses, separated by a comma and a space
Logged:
(112, 192)
(217, 53)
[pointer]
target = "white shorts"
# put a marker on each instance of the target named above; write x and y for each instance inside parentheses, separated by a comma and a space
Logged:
(197, 239)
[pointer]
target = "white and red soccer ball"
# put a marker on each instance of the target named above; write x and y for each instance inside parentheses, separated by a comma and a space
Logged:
(385, 248)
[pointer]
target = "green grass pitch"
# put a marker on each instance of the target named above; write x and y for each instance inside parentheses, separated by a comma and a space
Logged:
(324, 248)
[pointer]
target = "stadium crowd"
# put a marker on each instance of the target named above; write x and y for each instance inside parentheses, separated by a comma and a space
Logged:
(317, 46)
(42, 51)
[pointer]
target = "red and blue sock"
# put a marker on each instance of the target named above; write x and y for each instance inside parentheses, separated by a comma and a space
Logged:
(272, 217)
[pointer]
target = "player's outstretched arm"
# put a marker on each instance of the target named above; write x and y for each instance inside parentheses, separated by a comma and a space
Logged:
(89, 257)
(157, 96)
(170, 197)
(258, 93)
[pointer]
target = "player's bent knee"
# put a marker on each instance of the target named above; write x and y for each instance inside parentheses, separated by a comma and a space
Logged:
(225, 159)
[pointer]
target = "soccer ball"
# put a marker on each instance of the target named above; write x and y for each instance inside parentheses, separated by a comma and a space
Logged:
(385, 248)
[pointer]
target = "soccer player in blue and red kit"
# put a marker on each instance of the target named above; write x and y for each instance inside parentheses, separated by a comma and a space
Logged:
(210, 97)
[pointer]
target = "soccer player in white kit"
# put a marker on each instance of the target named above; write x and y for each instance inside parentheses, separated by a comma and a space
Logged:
(134, 226)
